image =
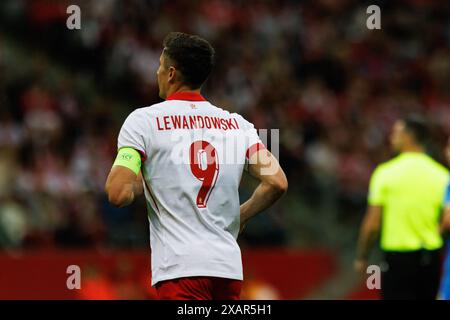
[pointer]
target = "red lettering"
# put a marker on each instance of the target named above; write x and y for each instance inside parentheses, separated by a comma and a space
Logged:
(159, 126)
(196, 122)
(208, 122)
(166, 122)
(224, 124)
(176, 121)
(237, 124)
(201, 124)
(230, 125)
(216, 122)
(185, 124)
(192, 122)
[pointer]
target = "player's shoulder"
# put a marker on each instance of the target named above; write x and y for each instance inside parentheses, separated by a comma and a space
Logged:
(241, 119)
(153, 108)
(145, 112)
(243, 123)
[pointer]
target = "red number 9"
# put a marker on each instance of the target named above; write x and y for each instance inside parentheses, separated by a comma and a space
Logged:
(205, 167)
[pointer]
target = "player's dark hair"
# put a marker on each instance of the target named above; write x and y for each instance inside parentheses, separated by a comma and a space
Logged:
(418, 127)
(191, 55)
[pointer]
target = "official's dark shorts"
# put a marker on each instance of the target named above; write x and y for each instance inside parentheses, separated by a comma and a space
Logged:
(411, 275)
(199, 288)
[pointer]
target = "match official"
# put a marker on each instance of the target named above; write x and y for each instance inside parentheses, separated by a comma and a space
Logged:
(404, 210)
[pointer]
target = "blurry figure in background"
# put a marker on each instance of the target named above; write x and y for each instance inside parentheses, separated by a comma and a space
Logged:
(13, 223)
(124, 281)
(121, 282)
(13, 218)
(79, 226)
(8, 171)
(41, 117)
(258, 289)
(445, 230)
(96, 286)
(11, 133)
(405, 202)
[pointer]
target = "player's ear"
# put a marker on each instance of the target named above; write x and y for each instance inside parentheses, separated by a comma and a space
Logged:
(172, 74)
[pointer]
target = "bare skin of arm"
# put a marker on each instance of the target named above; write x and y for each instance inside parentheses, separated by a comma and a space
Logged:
(445, 223)
(123, 186)
(369, 232)
(273, 184)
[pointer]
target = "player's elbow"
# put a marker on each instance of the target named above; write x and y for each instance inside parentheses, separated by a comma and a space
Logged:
(118, 200)
(283, 186)
(115, 200)
(279, 185)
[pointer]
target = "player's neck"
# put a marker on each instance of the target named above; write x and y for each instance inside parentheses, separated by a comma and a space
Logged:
(181, 88)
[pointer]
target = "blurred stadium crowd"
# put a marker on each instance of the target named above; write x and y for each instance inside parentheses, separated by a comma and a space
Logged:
(311, 69)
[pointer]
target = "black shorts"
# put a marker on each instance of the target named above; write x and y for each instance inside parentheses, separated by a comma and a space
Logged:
(411, 275)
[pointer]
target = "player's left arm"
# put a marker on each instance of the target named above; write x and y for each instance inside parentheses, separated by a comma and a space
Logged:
(124, 182)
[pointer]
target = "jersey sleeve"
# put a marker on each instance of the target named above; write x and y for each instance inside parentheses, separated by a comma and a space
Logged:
(132, 134)
(252, 141)
(255, 143)
(377, 188)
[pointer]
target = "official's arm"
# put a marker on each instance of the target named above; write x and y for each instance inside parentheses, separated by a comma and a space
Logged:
(371, 225)
(369, 233)
(445, 223)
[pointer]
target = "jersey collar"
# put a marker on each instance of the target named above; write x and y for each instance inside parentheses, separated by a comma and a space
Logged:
(188, 96)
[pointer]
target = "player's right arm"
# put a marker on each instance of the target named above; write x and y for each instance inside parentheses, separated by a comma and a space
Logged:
(124, 182)
(273, 184)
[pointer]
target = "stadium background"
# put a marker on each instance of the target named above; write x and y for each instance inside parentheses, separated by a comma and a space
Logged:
(310, 68)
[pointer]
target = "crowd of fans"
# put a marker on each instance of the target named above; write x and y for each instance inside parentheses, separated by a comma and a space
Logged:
(312, 69)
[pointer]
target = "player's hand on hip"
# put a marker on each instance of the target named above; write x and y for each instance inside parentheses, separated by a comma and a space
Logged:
(242, 227)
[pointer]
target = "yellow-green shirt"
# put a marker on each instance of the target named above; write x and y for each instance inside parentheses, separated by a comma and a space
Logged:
(410, 189)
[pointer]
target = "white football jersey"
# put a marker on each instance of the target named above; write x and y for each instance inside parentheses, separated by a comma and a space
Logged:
(193, 157)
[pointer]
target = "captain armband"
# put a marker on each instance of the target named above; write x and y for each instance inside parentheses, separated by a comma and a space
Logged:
(129, 158)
